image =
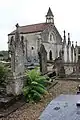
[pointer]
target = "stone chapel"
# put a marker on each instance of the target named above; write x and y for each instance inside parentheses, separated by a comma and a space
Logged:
(47, 34)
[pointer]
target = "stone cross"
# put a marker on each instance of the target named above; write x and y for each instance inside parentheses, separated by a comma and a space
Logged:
(17, 61)
(43, 59)
(19, 53)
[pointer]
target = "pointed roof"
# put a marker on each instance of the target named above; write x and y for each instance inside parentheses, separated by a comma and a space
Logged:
(49, 13)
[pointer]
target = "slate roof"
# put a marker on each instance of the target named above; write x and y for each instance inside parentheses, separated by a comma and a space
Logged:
(62, 108)
(32, 28)
(49, 13)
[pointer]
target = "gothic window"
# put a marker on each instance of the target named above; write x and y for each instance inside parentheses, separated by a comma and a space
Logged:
(51, 37)
(50, 55)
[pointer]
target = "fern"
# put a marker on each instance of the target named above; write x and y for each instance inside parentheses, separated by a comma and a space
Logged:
(40, 90)
(35, 86)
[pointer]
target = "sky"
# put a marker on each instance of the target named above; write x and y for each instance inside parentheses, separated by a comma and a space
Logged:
(66, 16)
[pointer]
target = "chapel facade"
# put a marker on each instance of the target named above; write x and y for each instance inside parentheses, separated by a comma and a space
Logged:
(47, 34)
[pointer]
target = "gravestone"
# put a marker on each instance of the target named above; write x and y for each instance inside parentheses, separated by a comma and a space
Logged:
(64, 107)
(17, 64)
(61, 72)
(43, 59)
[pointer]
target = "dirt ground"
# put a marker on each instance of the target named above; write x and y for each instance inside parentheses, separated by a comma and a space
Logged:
(32, 111)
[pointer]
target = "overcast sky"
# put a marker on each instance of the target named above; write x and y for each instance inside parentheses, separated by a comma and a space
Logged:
(66, 16)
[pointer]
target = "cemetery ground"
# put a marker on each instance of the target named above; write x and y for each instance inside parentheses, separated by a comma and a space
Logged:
(31, 111)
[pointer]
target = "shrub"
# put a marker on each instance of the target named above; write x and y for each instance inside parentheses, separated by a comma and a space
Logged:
(34, 88)
(3, 75)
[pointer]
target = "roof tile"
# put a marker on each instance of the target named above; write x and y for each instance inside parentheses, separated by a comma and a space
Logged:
(32, 28)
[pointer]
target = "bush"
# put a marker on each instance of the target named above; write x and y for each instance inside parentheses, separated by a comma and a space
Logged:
(34, 88)
(3, 75)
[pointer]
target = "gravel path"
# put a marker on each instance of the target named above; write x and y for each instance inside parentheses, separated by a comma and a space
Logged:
(32, 111)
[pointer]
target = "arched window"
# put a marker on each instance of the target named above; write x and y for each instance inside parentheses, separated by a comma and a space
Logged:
(51, 37)
(50, 55)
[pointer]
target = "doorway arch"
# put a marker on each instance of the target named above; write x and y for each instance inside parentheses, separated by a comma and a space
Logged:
(50, 55)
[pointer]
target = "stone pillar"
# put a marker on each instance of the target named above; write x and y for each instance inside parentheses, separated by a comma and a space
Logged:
(68, 54)
(65, 53)
(69, 48)
(43, 59)
(64, 48)
(19, 53)
(72, 52)
(15, 85)
(76, 53)
(17, 61)
(12, 53)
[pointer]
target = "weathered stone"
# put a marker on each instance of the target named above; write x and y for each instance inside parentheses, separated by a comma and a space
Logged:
(43, 59)
(15, 86)
(62, 72)
(17, 63)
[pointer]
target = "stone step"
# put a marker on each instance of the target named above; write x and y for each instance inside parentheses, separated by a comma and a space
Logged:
(74, 76)
(6, 101)
(10, 109)
(69, 78)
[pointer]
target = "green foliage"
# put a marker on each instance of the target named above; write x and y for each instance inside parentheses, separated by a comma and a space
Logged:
(3, 75)
(35, 86)
(4, 54)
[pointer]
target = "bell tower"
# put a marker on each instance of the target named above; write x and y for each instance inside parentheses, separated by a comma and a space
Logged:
(49, 16)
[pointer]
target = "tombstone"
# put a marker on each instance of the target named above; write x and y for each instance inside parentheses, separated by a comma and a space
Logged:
(43, 59)
(61, 72)
(17, 62)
